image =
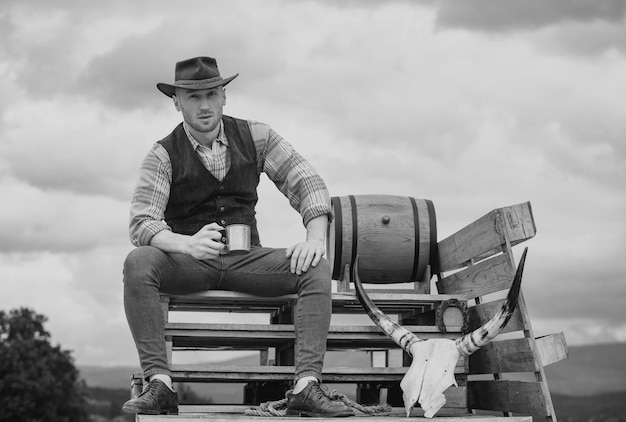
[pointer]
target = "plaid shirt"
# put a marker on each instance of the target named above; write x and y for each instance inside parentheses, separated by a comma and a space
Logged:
(289, 171)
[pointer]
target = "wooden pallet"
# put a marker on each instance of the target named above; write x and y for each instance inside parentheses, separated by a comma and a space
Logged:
(478, 261)
(475, 268)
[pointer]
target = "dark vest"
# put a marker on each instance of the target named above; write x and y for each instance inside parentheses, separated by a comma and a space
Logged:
(198, 198)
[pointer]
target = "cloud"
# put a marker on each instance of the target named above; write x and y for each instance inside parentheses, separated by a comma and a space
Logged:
(598, 39)
(125, 75)
(74, 145)
(498, 16)
(581, 330)
(558, 290)
(570, 27)
(38, 220)
(473, 112)
(40, 42)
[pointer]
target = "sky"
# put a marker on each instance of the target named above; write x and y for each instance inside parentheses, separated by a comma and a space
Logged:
(475, 105)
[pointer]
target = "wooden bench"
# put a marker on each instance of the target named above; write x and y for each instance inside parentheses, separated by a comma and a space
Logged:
(470, 267)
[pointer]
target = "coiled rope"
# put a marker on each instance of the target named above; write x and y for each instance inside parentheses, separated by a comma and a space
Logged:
(278, 408)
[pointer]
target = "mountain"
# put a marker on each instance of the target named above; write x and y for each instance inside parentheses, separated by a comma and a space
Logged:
(590, 370)
(119, 377)
(111, 377)
(605, 407)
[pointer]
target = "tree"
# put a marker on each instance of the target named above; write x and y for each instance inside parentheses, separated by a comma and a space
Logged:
(38, 382)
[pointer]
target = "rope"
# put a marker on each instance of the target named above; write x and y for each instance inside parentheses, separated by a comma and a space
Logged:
(270, 408)
(278, 408)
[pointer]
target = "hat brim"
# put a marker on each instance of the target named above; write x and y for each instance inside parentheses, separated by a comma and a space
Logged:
(169, 89)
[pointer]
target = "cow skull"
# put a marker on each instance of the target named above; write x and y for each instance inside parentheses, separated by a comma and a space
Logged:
(432, 368)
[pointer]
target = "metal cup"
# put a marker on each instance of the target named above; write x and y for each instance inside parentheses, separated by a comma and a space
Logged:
(237, 239)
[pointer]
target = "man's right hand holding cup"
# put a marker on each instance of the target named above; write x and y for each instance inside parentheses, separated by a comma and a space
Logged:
(207, 242)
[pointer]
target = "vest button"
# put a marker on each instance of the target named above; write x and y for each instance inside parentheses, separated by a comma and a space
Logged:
(223, 222)
(222, 209)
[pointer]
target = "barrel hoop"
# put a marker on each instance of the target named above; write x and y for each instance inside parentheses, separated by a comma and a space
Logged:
(434, 248)
(336, 201)
(416, 225)
(355, 235)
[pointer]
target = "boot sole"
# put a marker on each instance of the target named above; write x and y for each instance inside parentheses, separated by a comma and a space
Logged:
(302, 413)
(133, 409)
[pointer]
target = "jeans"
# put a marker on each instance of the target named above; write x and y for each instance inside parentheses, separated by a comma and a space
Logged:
(149, 271)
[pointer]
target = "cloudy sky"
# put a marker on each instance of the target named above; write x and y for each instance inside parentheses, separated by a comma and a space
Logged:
(474, 104)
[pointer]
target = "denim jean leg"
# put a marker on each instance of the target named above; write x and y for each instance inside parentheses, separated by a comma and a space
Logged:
(142, 270)
(312, 320)
(148, 271)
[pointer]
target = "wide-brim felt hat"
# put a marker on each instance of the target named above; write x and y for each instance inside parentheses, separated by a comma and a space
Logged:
(195, 73)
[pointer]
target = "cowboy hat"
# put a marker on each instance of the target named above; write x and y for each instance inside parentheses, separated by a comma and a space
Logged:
(196, 73)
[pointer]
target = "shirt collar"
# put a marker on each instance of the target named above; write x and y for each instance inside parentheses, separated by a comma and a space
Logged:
(221, 136)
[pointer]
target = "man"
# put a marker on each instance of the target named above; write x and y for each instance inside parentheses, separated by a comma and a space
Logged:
(197, 180)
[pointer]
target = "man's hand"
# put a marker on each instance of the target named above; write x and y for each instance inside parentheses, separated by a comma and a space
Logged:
(305, 255)
(206, 243)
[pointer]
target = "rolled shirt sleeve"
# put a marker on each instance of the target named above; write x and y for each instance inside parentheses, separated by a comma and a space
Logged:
(147, 209)
(291, 173)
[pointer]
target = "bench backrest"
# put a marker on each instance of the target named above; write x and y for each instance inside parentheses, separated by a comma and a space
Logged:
(478, 262)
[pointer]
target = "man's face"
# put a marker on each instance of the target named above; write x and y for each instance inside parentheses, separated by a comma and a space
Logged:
(201, 109)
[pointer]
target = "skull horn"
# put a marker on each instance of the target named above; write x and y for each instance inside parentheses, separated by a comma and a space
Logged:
(433, 361)
(473, 341)
(400, 335)
(432, 364)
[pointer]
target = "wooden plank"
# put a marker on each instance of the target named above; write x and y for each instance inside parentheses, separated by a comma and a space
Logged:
(257, 336)
(485, 277)
(474, 239)
(215, 413)
(224, 301)
(456, 404)
(548, 414)
(482, 313)
(397, 413)
(520, 222)
(507, 396)
(486, 234)
(193, 328)
(552, 348)
(234, 374)
(390, 302)
(504, 356)
(234, 340)
(287, 330)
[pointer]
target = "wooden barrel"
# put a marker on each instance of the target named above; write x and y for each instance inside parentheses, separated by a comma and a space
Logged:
(394, 236)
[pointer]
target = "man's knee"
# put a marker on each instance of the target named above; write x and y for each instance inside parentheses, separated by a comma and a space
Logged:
(323, 268)
(320, 275)
(140, 261)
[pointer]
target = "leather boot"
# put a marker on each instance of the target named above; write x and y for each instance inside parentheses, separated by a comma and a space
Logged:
(155, 399)
(313, 402)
